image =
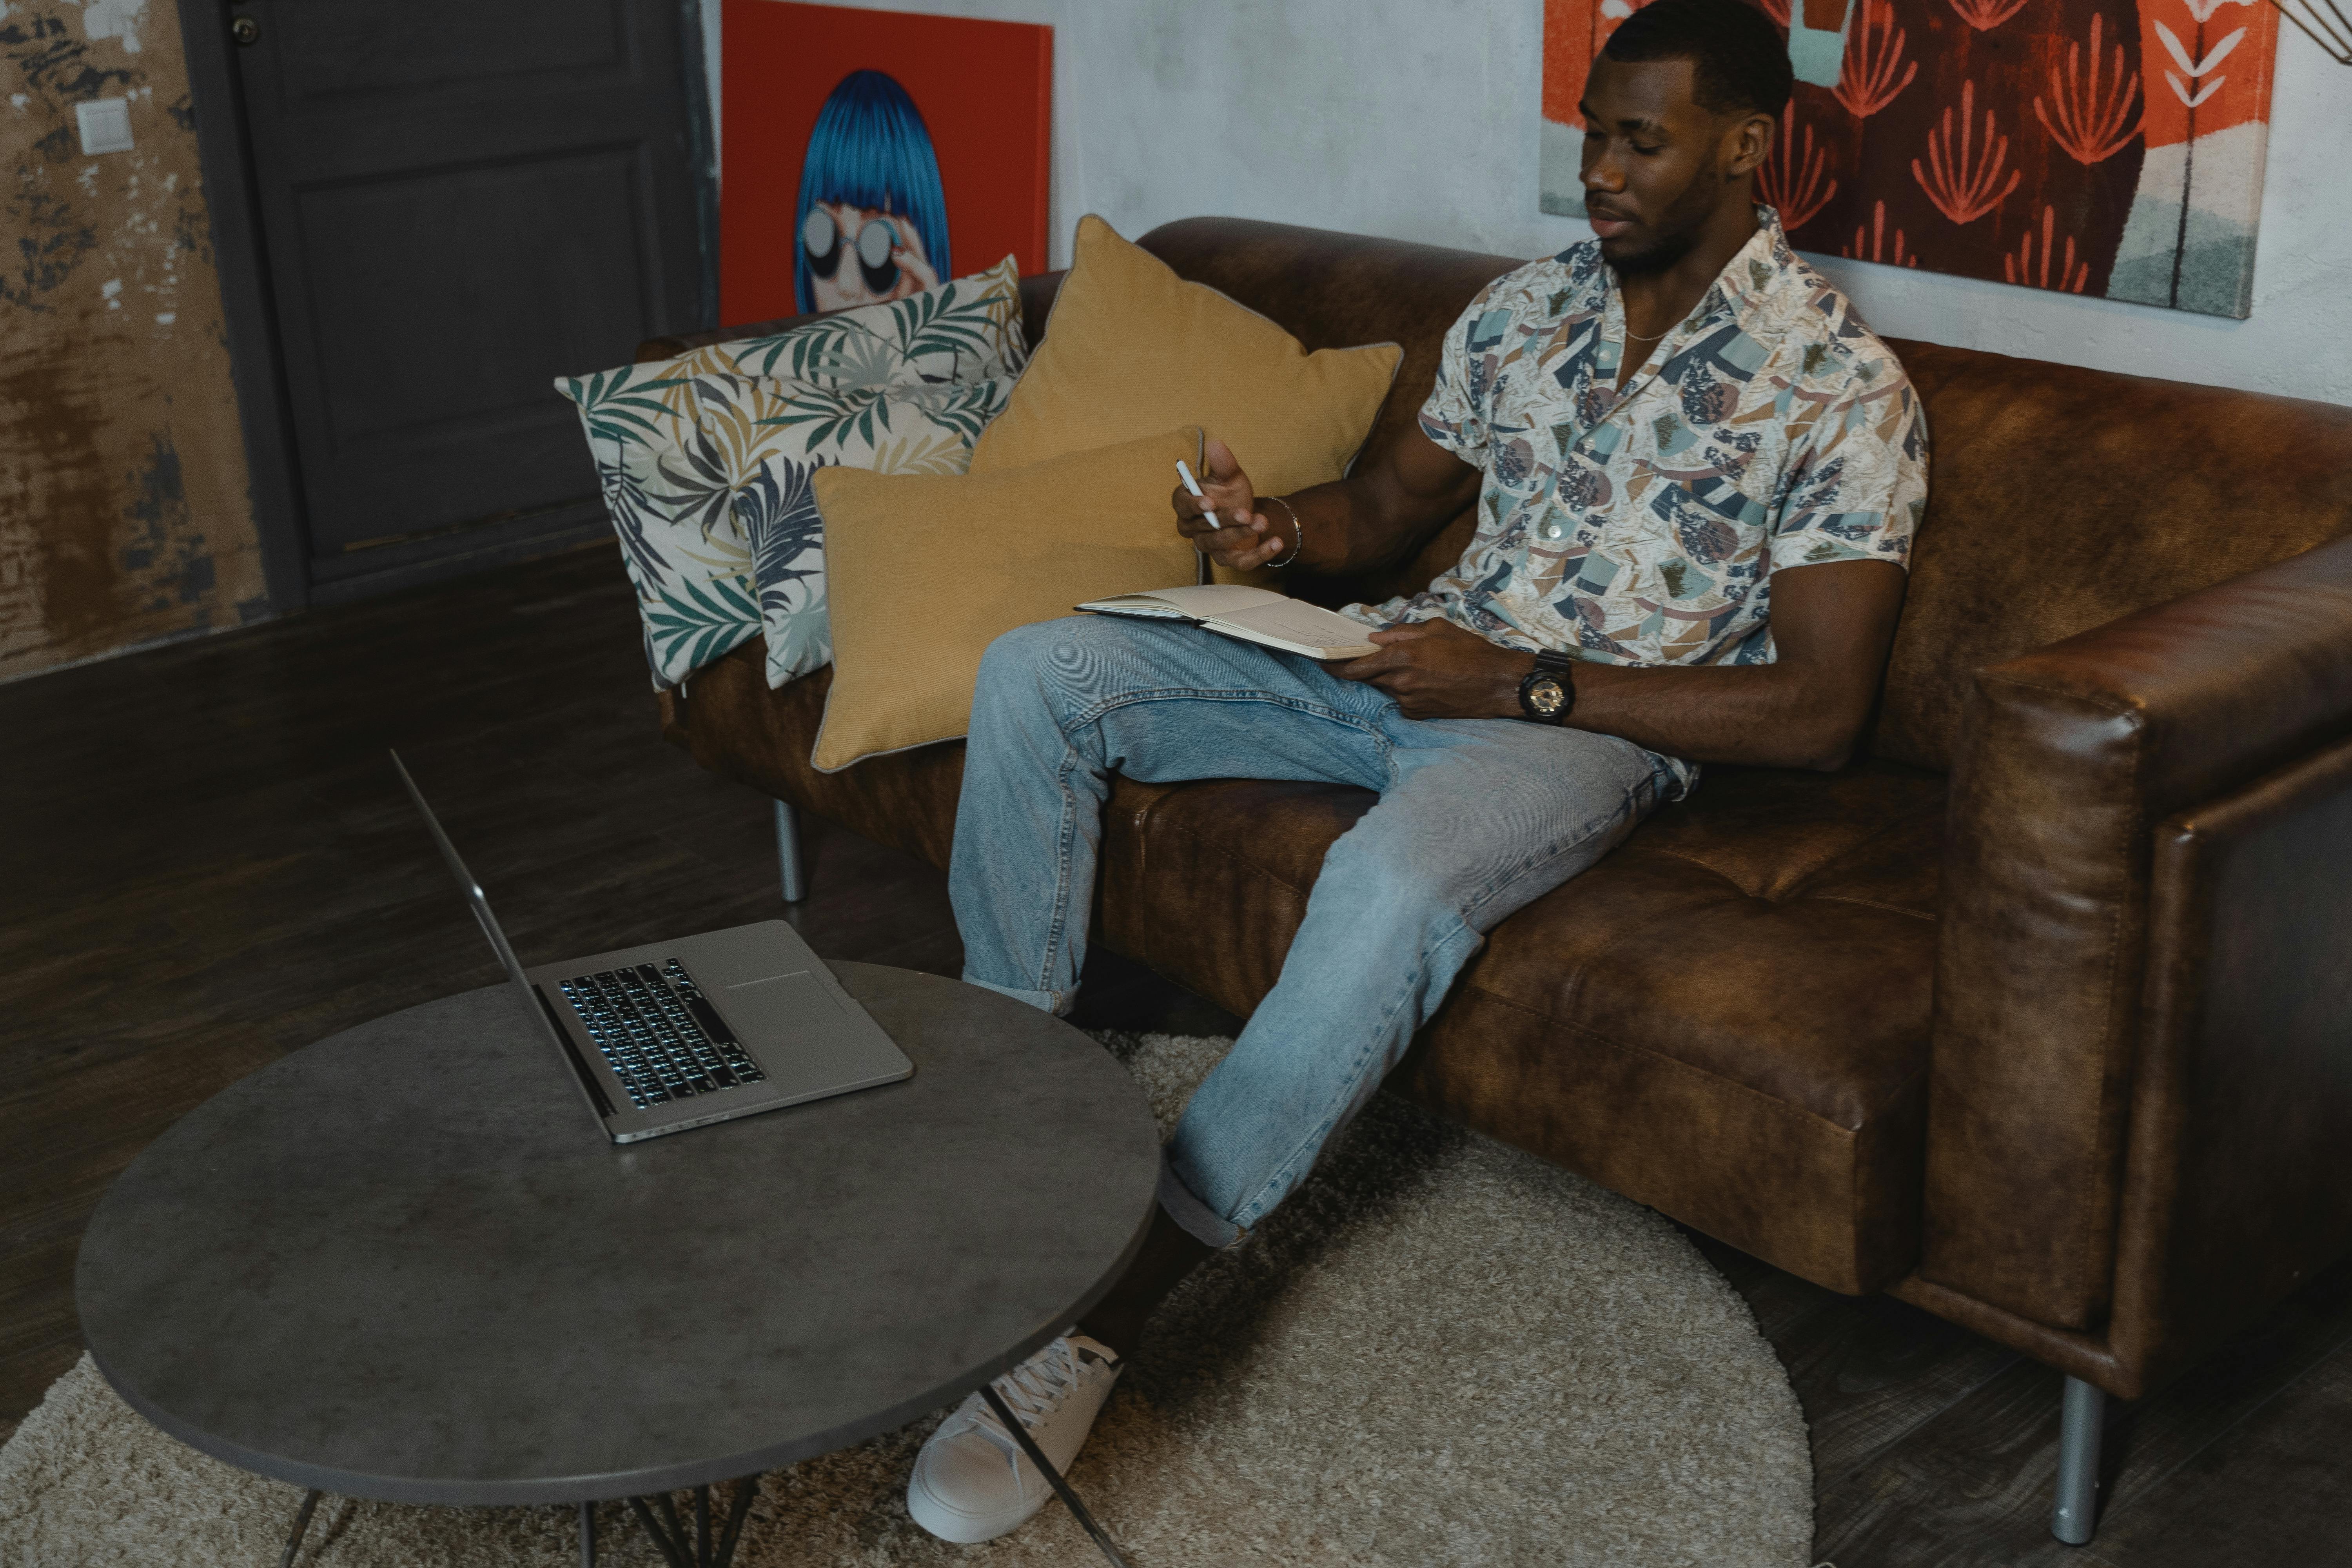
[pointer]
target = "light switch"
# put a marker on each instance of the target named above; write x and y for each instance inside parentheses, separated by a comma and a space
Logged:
(105, 126)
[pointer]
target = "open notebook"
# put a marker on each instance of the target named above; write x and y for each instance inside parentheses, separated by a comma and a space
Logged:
(1253, 614)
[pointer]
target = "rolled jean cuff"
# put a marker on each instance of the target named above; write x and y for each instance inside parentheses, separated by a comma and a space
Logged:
(1204, 1224)
(1044, 1000)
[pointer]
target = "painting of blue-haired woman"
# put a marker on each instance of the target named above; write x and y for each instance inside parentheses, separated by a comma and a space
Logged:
(872, 220)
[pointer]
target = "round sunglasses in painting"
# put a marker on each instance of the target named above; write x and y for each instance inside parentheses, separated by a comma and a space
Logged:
(821, 237)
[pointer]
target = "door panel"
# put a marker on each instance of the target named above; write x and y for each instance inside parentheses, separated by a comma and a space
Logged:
(459, 203)
(395, 261)
(351, 50)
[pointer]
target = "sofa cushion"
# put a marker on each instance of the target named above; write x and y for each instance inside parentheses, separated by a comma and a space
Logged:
(927, 571)
(1132, 350)
(904, 384)
(968, 328)
(1726, 1018)
(761, 442)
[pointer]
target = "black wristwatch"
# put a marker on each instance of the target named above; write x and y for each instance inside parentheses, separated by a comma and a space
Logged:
(1548, 692)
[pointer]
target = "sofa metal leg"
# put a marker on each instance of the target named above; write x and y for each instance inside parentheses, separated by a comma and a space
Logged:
(2080, 1427)
(788, 853)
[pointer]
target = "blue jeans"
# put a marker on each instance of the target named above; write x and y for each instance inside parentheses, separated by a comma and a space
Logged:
(1476, 818)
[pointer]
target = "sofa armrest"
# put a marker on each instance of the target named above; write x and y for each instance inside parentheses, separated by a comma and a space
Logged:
(2223, 684)
(2068, 760)
(2241, 1100)
(1037, 291)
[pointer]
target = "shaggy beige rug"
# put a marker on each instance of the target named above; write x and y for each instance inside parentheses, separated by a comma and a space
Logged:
(1440, 1351)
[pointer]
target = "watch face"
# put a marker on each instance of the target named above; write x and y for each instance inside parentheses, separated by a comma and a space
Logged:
(1547, 696)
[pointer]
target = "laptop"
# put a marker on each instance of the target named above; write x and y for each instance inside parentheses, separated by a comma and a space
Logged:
(681, 1034)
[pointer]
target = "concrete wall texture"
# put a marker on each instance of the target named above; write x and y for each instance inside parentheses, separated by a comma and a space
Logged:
(123, 510)
(124, 516)
(1417, 119)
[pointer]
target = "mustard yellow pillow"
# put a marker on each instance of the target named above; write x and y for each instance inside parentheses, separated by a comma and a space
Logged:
(1132, 349)
(925, 571)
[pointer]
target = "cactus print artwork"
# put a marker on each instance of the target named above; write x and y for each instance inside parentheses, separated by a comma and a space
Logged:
(2107, 147)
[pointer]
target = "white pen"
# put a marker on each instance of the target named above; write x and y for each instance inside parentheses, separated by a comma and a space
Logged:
(1193, 485)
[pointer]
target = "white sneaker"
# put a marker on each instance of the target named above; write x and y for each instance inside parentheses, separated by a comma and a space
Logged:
(971, 1482)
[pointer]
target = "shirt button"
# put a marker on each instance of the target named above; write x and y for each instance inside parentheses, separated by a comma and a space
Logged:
(1552, 530)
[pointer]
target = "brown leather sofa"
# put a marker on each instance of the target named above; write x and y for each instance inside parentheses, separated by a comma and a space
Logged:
(2036, 1017)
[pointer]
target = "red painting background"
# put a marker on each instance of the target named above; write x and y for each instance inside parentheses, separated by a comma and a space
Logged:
(985, 91)
(2041, 137)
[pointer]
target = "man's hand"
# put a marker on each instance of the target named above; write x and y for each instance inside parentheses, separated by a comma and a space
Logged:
(1238, 534)
(1437, 670)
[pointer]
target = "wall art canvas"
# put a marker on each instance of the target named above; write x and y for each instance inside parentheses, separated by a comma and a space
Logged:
(2107, 147)
(870, 155)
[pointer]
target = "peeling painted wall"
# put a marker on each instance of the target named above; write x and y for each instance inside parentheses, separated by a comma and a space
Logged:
(124, 516)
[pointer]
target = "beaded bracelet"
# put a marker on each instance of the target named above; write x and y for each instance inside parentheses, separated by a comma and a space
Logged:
(1297, 533)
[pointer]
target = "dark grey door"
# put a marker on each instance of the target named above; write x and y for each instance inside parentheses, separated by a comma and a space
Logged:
(459, 200)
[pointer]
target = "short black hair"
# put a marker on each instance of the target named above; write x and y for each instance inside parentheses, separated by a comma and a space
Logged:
(1739, 62)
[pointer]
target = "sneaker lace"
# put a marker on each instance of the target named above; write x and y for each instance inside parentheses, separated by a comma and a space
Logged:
(1040, 1385)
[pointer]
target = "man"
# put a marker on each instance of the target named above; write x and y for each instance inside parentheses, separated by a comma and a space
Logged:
(1697, 477)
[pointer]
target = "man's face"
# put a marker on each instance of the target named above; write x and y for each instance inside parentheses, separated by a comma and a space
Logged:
(1656, 166)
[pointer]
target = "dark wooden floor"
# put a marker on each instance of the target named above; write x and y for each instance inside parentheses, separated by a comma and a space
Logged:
(207, 863)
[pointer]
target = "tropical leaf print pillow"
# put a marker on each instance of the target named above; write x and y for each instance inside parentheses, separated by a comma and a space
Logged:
(964, 330)
(671, 494)
(769, 437)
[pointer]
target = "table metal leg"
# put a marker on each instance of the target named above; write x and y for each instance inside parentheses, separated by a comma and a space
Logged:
(668, 1531)
(677, 1528)
(669, 1548)
(587, 1535)
(1052, 1477)
(745, 1490)
(301, 1527)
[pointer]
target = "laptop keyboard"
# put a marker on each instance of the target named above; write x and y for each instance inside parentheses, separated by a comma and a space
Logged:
(661, 1038)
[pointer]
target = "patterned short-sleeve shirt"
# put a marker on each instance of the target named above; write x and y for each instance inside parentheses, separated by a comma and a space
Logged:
(1769, 429)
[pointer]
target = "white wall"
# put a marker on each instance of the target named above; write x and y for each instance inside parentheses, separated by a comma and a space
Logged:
(1416, 118)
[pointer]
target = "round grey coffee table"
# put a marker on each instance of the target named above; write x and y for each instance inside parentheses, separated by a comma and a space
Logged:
(405, 1264)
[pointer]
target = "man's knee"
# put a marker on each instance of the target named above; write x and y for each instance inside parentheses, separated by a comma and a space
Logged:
(1068, 641)
(1018, 663)
(1068, 661)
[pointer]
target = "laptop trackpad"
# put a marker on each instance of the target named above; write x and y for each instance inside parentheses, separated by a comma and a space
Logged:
(780, 1004)
(794, 1025)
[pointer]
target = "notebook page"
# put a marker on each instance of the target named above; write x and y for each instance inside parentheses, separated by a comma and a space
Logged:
(1295, 621)
(1201, 603)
